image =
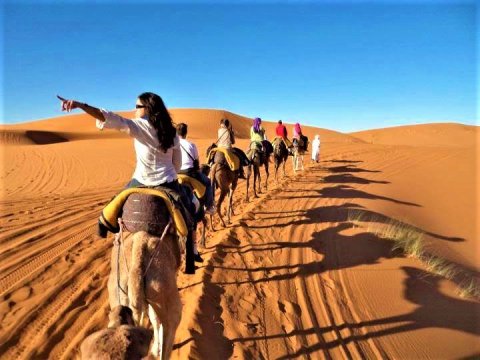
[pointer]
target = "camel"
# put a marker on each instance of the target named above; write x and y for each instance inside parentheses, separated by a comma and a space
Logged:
(280, 155)
(226, 180)
(122, 340)
(144, 276)
(257, 159)
(298, 153)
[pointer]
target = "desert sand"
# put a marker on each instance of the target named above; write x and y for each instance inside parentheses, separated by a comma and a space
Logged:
(293, 276)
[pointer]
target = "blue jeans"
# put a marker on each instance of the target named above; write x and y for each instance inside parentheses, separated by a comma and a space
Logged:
(208, 191)
(133, 183)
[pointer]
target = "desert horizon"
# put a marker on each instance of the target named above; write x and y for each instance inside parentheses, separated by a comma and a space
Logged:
(315, 267)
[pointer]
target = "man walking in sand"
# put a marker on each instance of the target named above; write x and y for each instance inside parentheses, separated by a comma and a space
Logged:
(316, 149)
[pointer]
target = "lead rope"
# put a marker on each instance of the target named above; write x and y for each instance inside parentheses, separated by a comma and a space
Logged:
(118, 242)
(122, 228)
(157, 247)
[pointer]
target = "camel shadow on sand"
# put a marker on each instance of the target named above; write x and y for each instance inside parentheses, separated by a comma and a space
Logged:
(435, 309)
(337, 213)
(364, 248)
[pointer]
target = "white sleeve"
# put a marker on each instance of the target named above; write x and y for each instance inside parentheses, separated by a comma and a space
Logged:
(115, 121)
(176, 154)
(195, 152)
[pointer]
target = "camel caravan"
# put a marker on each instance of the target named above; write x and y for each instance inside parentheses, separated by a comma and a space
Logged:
(154, 219)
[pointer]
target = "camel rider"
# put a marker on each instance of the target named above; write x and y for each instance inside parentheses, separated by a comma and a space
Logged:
(226, 139)
(191, 166)
(281, 132)
(257, 136)
(158, 156)
(297, 134)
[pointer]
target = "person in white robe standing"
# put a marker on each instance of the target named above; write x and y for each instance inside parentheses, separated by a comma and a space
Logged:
(316, 149)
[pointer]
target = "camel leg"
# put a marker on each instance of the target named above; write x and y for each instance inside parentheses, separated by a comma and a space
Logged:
(172, 320)
(157, 332)
(211, 223)
(220, 201)
(232, 189)
(259, 181)
(204, 223)
(256, 175)
(266, 173)
(275, 168)
(249, 173)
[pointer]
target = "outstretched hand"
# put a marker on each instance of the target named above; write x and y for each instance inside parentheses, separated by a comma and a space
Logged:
(68, 105)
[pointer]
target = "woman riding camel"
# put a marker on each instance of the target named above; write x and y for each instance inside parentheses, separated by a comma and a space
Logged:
(257, 132)
(226, 139)
(157, 149)
(297, 132)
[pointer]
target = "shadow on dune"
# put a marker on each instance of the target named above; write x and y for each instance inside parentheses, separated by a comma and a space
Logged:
(348, 168)
(44, 137)
(344, 192)
(338, 213)
(347, 192)
(348, 178)
(345, 161)
(435, 310)
(364, 248)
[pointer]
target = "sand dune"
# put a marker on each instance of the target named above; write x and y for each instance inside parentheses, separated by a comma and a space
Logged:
(440, 134)
(293, 276)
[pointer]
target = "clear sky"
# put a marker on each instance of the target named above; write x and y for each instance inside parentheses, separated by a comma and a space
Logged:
(342, 65)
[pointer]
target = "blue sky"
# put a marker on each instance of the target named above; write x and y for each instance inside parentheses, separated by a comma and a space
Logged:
(341, 65)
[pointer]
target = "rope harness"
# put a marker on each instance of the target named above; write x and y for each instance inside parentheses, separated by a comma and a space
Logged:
(118, 240)
(157, 246)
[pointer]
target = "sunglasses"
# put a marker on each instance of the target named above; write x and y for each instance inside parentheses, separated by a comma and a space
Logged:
(139, 106)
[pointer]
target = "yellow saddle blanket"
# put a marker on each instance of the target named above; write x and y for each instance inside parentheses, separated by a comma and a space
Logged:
(232, 160)
(198, 188)
(109, 217)
(287, 142)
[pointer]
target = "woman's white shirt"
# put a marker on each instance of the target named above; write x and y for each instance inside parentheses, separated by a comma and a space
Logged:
(153, 166)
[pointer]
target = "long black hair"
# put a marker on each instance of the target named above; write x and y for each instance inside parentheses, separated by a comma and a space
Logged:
(160, 119)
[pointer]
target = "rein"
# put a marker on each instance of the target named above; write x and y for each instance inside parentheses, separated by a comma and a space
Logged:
(118, 242)
(157, 246)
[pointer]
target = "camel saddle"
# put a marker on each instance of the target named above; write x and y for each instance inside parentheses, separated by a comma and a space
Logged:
(198, 188)
(232, 160)
(142, 209)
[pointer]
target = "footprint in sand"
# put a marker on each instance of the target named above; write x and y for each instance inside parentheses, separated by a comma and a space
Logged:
(292, 313)
(246, 305)
(21, 294)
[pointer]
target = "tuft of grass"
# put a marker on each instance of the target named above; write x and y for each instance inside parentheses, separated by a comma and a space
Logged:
(409, 241)
(440, 267)
(405, 237)
(469, 288)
